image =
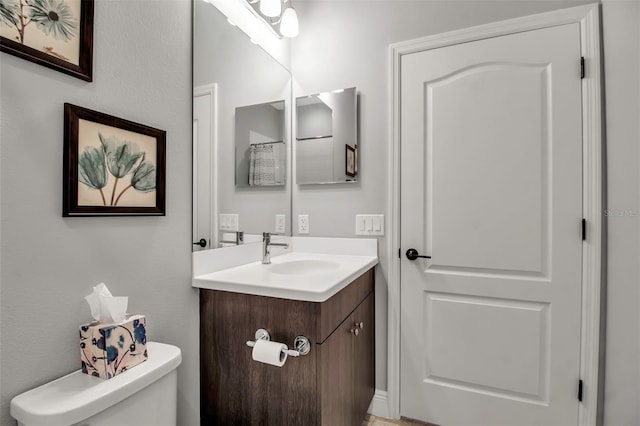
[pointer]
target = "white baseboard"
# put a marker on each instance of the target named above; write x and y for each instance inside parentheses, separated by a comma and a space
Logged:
(379, 406)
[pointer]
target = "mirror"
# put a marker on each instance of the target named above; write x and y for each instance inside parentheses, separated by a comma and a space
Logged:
(260, 145)
(242, 109)
(327, 137)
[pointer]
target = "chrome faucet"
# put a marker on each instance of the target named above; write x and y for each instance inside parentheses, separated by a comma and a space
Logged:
(266, 247)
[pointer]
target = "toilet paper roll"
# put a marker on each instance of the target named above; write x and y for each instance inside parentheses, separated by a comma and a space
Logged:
(269, 352)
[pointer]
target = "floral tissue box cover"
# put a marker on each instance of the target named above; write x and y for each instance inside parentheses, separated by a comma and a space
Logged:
(108, 349)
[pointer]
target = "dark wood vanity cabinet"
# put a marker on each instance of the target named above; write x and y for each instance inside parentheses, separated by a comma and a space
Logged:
(332, 385)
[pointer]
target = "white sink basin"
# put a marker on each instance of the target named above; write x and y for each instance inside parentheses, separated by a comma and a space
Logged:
(304, 267)
(314, 270)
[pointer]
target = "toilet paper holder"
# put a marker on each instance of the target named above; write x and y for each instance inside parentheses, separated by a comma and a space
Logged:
(300, 343)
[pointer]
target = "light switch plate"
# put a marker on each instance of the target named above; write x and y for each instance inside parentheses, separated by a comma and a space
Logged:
(229, 222)
(280, 223)
(370, 224)
(303, 224)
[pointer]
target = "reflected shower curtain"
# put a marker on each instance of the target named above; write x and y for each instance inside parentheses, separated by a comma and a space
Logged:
(266, 164)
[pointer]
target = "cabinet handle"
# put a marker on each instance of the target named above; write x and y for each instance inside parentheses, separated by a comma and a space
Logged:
(354, 331)
(359, 324)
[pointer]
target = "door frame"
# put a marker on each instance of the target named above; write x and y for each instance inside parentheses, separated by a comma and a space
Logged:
(592, 335)
(211, 90)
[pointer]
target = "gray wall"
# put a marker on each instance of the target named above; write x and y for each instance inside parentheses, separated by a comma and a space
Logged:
(142, 72)
(314, 157)
(314, 160)
(314, 120)
(346, 43)
(621, 32)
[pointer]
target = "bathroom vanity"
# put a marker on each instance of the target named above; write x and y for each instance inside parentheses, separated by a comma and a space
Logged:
(332, 385)
(319, 288)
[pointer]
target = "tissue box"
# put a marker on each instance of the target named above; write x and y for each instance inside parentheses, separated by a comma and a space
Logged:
(108, 349)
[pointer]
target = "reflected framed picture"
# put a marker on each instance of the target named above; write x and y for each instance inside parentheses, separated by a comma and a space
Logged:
(350, 161)
(112, 166)
(54, 33)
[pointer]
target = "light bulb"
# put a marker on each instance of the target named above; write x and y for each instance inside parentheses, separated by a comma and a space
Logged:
(289, 25)
(270, 8)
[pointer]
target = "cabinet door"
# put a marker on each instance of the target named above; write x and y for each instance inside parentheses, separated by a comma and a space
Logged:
(335, 376)
(235, 389)
(363, 357)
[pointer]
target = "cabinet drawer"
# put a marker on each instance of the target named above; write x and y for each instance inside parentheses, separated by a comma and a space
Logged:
(337, 308)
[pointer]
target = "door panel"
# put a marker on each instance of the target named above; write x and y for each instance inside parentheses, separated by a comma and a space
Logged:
(501, 346)
(203, 134)
(489, 94)
(491, 188)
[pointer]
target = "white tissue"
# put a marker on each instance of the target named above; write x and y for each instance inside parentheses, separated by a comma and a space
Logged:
(105, 307)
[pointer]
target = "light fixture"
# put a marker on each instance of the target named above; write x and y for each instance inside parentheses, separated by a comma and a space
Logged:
(270, 8)
(277, 14)
(289, 22)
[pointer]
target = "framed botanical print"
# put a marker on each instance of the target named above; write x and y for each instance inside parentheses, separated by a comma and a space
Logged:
(55, 33)
(112, 166)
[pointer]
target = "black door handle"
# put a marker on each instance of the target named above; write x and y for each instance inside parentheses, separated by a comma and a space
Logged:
(202, 243)
(412, 254)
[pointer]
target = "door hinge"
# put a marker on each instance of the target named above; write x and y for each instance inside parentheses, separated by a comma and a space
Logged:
(580, 390)
(582, 67)
(584, 229)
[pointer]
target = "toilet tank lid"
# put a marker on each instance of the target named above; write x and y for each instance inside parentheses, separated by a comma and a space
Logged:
(78, 396)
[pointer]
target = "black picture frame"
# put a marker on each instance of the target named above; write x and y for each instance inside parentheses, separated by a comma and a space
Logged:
(83, 70)
(350, 161)
(136, 166)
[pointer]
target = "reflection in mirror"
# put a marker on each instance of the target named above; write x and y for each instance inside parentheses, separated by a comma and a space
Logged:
(260, 145)
(236, 85)
(327, 137)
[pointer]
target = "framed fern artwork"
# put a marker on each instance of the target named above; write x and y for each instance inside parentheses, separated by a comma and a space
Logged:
(112, 166)
(55, 33)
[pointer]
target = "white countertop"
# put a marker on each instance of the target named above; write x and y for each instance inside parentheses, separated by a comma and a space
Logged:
(275, 280)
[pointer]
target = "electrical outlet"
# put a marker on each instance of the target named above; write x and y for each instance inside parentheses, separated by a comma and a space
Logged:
(280, 223)
(303, 224)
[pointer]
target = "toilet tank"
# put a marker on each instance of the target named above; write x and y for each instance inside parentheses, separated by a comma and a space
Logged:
(143, 395)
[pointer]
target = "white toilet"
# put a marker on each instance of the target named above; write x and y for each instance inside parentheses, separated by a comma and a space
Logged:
(144, 395)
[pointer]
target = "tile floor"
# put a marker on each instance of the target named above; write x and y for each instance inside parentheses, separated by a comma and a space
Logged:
(381, 421)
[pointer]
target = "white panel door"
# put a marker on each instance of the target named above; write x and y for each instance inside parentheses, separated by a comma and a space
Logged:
(204, 216)
(491, 188)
